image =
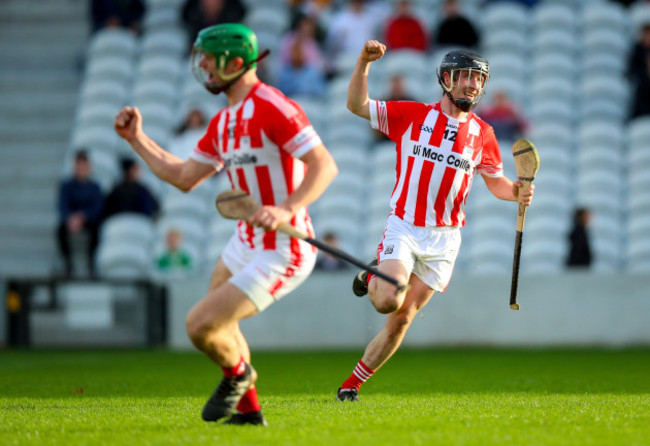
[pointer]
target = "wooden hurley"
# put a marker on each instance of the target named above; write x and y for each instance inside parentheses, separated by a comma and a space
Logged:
(527, 164)
(238, 205)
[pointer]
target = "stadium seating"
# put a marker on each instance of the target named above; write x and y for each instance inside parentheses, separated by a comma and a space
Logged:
(562, 62)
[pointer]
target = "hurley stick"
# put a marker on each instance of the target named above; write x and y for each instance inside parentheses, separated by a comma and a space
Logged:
(527, 164)
(238, 205)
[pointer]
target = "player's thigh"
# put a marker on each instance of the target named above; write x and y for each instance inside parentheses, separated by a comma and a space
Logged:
(220, 275)
(394, 268)
(222, 308)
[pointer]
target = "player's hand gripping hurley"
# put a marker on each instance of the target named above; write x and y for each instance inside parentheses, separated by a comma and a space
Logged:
(238, 205)
(527, 164)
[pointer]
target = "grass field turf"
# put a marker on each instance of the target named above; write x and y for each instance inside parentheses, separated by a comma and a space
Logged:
(421, 397)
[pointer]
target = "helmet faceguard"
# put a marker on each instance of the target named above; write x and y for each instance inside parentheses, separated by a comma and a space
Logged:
(459, 64)
(224, 43)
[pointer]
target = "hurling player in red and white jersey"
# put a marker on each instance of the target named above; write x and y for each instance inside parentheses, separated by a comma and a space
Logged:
(439, 148)
(267, 147)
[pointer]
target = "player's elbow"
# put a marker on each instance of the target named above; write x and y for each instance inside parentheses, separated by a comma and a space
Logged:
(354, 107)
(359, 108)
(185, 185)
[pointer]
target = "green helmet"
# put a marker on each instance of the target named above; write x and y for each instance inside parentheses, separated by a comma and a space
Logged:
(225, 42)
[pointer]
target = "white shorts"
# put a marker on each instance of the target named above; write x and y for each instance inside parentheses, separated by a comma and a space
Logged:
(265, 276)
(427, 252)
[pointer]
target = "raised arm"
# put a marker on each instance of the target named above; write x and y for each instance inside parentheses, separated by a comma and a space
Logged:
(185, 175)
(358, 99)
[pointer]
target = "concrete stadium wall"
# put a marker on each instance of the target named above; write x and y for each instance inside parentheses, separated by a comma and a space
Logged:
(573, 309)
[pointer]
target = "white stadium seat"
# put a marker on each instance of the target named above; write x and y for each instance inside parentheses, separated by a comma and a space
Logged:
(113, 42)
(407, 63)
(123, 261)
(555, 16)
(607, 63)
(106, 91)
(506, 40)
(189, 205)
(113, 68)
(555, 40)
(128, 228)
(97, 137)
(172, 42)
(607, 15)
(163, 67)
(91, 113)
(500, 15)
(605, 41)
(601, 132)
(554, 65)
(638, 131)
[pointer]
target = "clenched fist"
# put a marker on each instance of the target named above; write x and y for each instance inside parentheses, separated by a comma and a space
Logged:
(373, 50)
(128, 123)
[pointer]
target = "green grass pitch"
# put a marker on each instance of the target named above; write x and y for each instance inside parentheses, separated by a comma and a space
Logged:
(421, 397)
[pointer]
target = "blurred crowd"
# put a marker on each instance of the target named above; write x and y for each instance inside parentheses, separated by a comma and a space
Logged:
(321, 36)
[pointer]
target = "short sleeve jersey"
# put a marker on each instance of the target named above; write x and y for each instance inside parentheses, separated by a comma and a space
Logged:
(436, 160)
(258, 142)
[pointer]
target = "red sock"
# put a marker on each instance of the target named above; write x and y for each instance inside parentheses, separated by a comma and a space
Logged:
(237, 370)
(248, 402)
(359, 376)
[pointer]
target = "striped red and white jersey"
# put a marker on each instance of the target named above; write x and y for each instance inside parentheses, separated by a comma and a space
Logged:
(436, 160)
(259, 142)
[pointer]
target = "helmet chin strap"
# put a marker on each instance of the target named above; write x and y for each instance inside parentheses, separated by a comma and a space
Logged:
(463, 105)
(234, 77)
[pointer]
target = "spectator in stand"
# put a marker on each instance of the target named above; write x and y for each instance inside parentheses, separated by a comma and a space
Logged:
(579, 245)
(396, 92)
(303, 34)
(639, 73)
(350, 28)
(300, 78)
(192, 127)
(80, 210)
(199, 14)
(130, 195)
(117, 14)
(327, 262)
(455, 29)
(504, 117)
(174, 260)
(195, 119)
(404, 30)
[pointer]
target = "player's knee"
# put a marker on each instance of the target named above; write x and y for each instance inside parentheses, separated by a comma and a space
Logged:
(197, 330)
(386, 300)
(385, 303)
